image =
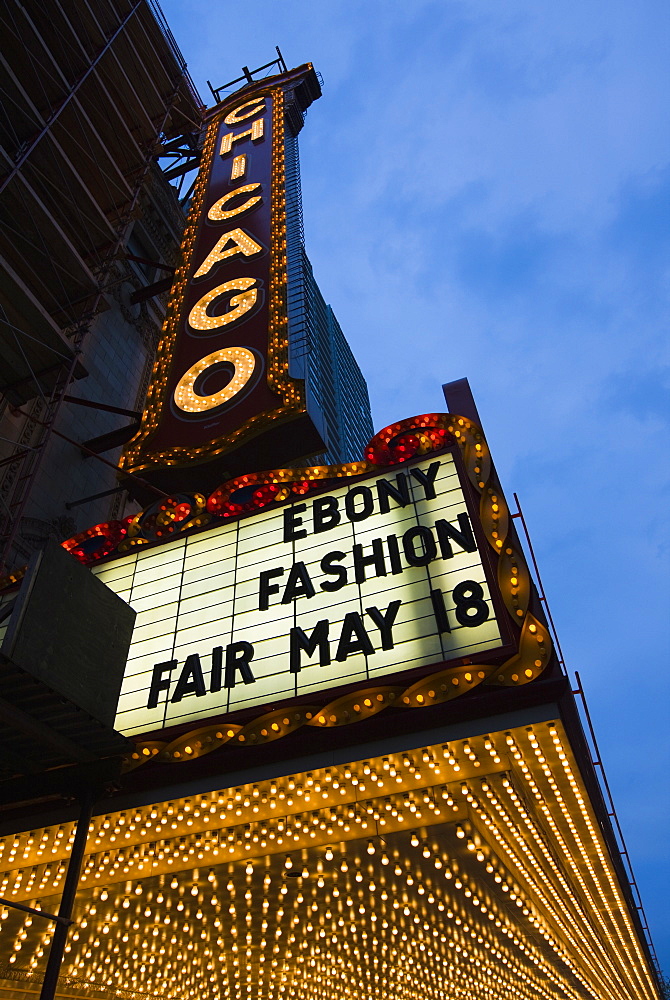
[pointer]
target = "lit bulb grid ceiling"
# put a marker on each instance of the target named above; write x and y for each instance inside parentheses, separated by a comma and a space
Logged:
(474, 868)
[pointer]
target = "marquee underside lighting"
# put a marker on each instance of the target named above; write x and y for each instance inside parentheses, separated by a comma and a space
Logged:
(473, 868)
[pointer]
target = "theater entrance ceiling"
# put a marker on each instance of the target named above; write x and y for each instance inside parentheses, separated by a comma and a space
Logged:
(469, 869)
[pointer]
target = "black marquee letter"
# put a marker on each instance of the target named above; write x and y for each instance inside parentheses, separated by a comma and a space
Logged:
(265, 588)
(394, 554)
(298, 584)
(368, 503)
(353, 638)
(427, 544)
(376, 560)
(238, 655)
(440, 611)
(328, 566)
(326, 514)
(190, 680)
(292, 522)
(159, 682)
(384, 622)
(464, 537)
(308, 643)
(400, 492)
(217, 669)
(427, 479)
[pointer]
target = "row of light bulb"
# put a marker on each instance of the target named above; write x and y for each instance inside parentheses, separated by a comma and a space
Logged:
(395, 890)
(388, 776)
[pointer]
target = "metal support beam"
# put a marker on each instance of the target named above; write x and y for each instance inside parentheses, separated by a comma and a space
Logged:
(64, 103)
(112, 439)
(149, 263)
(94, 496)
(102, 406)
(59, 940)
(121, 472)
(164, 285)
(38, 913)
(157, 288)
(183, 168)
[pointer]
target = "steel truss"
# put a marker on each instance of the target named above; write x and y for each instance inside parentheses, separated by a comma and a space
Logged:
(70, 193)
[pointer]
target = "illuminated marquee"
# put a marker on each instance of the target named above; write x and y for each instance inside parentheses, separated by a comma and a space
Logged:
(377, 577)
(221, 378)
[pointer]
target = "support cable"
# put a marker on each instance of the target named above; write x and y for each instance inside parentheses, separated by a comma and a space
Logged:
(612, 813)
(540, 585)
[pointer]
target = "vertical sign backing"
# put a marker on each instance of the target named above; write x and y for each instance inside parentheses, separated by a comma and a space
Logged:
(221, 399)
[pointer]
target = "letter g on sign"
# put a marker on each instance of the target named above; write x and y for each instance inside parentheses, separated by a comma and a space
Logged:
(200, 319)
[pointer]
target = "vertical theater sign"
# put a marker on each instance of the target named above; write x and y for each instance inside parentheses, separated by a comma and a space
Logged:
(221, 395)
(357, 771)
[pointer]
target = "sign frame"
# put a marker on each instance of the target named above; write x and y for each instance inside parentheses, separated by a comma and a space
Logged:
(509, 632)
(184, 431)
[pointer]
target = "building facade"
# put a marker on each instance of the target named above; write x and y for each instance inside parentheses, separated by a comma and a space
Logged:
(335, 384)
(318, 349)
(93, 90)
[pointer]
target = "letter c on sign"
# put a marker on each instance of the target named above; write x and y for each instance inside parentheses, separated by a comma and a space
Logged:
(200, 319)
(244, 111)
(218, 213)
(244, 363)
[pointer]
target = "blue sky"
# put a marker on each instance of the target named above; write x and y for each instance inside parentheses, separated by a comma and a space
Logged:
(486, 193)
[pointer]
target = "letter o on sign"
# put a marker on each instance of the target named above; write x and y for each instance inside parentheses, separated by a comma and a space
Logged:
(244, 363)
